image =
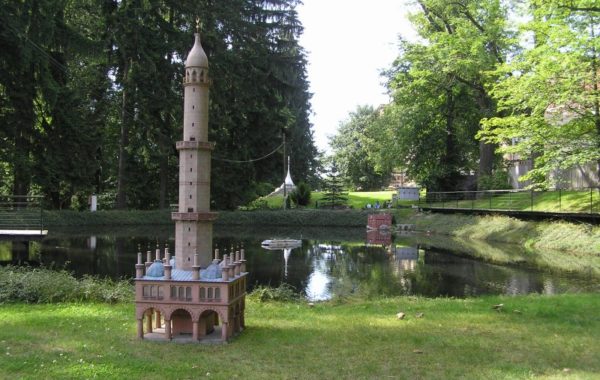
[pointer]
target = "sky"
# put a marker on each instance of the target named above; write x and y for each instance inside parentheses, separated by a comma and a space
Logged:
(348, 43)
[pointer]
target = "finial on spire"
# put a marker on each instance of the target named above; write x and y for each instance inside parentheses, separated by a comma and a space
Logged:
(198, 24)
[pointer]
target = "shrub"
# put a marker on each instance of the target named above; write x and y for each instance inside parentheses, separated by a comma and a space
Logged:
(282, 293)
(45, 285)
(301, 195)
(497, 181)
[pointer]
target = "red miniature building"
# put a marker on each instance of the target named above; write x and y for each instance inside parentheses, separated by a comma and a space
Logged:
(192, 296)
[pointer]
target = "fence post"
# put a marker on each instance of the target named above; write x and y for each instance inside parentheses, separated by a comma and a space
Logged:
(41, 216)
(591, 200)
(490, 200)
(559, 199)
(531, 199)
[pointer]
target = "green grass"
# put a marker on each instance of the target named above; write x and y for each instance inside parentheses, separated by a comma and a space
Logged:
(548, 201)
(356, 199)
(539, 337)
(560, 236)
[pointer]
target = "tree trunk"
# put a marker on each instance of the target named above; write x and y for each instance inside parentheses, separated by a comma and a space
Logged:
(24, 126)
(163, 169)
(124, 142)
(486, 150)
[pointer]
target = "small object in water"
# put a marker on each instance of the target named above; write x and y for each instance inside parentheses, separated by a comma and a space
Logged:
(400, 315)
(419, 315)
(281, 243)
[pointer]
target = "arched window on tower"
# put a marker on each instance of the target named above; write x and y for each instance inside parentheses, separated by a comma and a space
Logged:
(193, 75)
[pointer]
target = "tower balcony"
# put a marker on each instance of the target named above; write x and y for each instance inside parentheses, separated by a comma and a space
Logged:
(204, 216)
(195, 145)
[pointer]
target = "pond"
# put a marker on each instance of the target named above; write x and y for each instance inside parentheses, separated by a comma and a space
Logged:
(329, 263)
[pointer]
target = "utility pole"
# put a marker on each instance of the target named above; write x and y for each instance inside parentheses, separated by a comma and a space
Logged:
(284, 173)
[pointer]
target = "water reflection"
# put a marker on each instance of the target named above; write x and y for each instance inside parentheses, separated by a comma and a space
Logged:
(350, 262)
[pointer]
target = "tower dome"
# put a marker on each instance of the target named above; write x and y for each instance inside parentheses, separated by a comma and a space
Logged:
(157, 269)
(197, 57)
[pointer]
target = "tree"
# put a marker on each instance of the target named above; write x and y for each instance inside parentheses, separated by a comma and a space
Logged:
(428, 130)
(439, 89)
(301, 194)
(334, 194)
(351, 151)
(91, 93)
(549, 93)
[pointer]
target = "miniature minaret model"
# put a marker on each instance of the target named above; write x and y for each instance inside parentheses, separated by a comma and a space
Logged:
(193, 222)
(193, 297)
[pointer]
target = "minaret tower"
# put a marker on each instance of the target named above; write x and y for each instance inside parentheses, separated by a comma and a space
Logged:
(193, 221)
(199, 298)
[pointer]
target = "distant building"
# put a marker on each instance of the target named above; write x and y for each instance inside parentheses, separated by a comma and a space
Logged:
(578, 176)
(288, 184)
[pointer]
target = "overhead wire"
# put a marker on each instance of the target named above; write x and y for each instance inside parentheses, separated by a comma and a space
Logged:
(251, 160)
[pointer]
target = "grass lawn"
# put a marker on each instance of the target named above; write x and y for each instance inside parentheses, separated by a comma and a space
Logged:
(548, 201)
(546, 337)
(356, 199)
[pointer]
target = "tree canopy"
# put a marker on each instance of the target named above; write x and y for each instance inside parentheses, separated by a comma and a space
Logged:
(91, 98)
(483, 79)
(549, 93)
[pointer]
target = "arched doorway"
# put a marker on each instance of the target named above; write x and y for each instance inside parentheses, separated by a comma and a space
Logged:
(181, 324)
(209, 325)
(151, 324)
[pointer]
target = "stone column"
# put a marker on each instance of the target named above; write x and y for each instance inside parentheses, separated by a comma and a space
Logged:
(149, 321)
(140, 328)
(196, 267)
(243, 260)
(168, 266)
(158, 324)
(148, 258)
(224, 328)
(168, 329)
(195, 330)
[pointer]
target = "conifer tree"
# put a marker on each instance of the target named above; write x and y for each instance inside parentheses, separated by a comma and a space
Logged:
(334, 195)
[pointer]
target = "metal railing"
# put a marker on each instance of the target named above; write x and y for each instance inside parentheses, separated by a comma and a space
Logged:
(585, 200)
(21, 212)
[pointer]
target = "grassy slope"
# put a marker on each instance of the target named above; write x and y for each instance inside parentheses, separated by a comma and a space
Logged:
(551, 235)
(533, 337)
(356, 199)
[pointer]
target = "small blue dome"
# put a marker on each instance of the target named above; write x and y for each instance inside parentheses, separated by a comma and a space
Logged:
(213, 271)
(157, 269)
(172, 262)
